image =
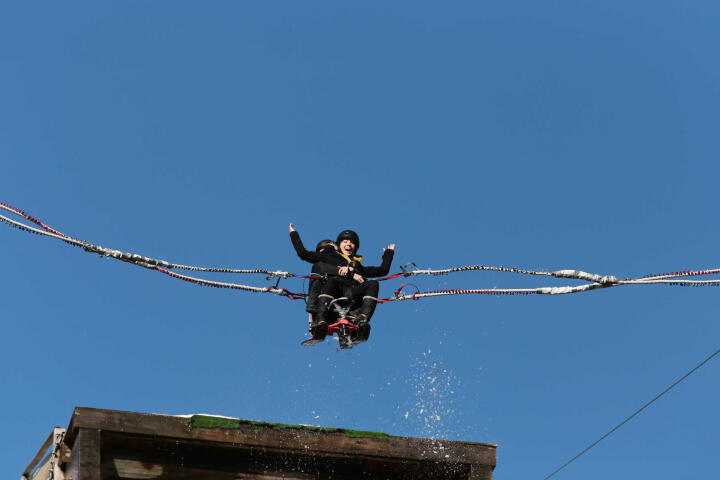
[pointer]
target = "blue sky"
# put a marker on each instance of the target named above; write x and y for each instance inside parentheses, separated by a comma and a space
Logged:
(542, 135)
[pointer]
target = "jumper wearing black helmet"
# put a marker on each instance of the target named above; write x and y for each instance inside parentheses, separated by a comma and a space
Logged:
(324, 245)
(349, 235)
(323, 269)
(350, 278)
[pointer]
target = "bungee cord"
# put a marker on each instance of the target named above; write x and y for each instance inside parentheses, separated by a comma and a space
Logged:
(234, 286)
(595, 281)
(140, 260)
(576, 274)
(563, 290)
(683, 273)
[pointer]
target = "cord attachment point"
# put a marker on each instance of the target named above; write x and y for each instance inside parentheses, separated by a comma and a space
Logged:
(400, 295)
(406, 268)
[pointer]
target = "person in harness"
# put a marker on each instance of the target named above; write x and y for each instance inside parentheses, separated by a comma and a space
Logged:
(321, 269)
(349, 280)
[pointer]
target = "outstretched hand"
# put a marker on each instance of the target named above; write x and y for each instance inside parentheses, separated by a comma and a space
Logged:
(292, 229)
(389, 247)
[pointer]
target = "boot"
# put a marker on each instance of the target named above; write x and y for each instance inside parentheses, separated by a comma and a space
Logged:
(368, 308)
(363, 328)
(323, 305)
(317, 324)
(361, 319)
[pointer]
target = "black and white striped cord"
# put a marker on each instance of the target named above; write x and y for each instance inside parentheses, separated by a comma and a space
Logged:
(596, 281)
(134, 258)
(575, 274)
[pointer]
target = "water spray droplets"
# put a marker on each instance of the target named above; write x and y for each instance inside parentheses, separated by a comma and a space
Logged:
(433, 387)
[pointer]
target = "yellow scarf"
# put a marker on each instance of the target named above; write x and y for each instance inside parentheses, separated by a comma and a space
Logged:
(352, 261)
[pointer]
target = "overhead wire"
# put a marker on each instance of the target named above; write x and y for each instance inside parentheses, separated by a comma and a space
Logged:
(634, 414)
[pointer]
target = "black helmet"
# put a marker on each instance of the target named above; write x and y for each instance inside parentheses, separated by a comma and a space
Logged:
(324, 244)
(349, 235)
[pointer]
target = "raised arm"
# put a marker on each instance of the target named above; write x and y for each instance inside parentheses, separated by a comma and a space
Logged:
(384, 267)
(306, 255)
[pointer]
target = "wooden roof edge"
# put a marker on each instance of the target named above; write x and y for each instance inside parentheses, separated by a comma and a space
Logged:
(289, 437)
(212, 421)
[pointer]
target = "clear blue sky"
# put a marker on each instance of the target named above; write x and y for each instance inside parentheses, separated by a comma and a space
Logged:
(558, 134)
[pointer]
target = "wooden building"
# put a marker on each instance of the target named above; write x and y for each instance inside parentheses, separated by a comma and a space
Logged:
(111, 445)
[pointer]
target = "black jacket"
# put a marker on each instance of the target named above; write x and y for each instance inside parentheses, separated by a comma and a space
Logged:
(324, 268)
(337, 259)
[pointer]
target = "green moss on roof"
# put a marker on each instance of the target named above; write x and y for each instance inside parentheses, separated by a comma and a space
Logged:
(207, 421)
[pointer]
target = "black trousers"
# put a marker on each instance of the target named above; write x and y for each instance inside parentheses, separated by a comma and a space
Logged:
(313, 291)
(362, 295)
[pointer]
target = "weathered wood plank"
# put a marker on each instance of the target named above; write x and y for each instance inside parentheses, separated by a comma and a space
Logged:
(85, 457)
(42, 451)
(480, 472)
(143, 456)
(272, 439)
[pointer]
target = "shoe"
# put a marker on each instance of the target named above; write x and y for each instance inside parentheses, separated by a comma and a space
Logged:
(318, 324)
(363, 332)
(319, 329)
(345, 341)
(361, 320)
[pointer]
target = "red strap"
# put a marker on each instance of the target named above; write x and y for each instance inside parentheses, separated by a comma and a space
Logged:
(293, 295)
(390, 277)
(399, 290)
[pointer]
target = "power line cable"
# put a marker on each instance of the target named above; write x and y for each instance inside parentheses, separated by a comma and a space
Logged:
(634, 414)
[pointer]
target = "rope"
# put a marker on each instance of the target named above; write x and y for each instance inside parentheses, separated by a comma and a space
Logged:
(595, 281)
(564, 290)
(234, 286)
(400, 296)
(30, 229)
(682, 273)
(140, 260)
(576, 274)
(26, 215)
